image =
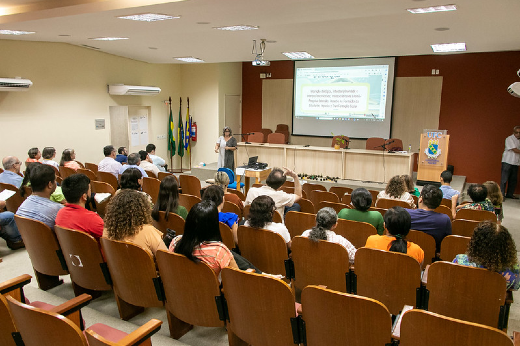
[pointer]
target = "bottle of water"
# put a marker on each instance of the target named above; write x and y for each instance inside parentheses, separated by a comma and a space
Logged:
(410, 148)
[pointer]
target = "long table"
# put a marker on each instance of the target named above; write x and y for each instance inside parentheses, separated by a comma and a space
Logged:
(353, 164)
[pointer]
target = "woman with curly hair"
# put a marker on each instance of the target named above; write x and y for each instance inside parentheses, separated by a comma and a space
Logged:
(396, 189)
(168, 199)
(128, 218)
(261, 216)
(410, 187)
(493, 248)
(68, 159)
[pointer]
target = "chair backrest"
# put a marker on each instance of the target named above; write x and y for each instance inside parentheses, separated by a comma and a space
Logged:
(174, 222)
(108, 178)
(285, 133)
(80, 164)
(92, 166)
(265, 249)
(306, 206)
(467, 293)
(245, 211)
(7, 323)
(56, 171)
(476, 215)
(379, 210)
(190, 185)
(318, 196)
(260, 301)
(102, 187)
(151, 174)
(152, 186)
(257, 185)
(163, 175)
(389, 277)
(444, 210)
(238, 193)
(288, 183)
(230, 207)
(356, 232)
(374, 143)
(256, 137)
(190, 289)
(66, 171)
(13, 203)
(282, 127)
(342, 141)
(90, 174)
(447, 202)
(227, 235)
(84, 259)
(452, 246)
(387, 203)
(319, 263)
(298, 222)
(425, 242)
(266, 132)
(340, 190)
(415, 200)
(188, 201)
(287, 189)
(308, 187)
(394, 144)
(433, 329)
(332, 317)
(374, 194)
(463, 227)
(276, 138)
(347, 199)
(336, 206)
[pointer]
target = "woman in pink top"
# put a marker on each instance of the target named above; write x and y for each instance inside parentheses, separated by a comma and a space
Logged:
(67, 159)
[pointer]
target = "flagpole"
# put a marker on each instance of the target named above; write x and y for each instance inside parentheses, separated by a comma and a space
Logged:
(171, 156)
(189, 124)
(180, 107)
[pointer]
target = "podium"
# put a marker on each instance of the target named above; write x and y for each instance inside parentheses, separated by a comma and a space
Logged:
(433, 156)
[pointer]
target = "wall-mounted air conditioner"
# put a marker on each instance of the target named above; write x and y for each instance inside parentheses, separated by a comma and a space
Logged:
(121, 89)
(14, 84)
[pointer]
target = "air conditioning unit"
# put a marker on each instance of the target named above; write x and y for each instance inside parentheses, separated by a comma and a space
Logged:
(14, 84)
(121, 89)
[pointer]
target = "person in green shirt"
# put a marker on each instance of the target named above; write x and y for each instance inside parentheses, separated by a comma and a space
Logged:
(168, 199)
(362, 200)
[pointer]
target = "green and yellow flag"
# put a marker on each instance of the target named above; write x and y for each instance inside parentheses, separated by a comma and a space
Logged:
(180, 133)
(171, 139)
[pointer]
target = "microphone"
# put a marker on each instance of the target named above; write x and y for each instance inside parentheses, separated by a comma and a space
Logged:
(242, 134)
(393, 140)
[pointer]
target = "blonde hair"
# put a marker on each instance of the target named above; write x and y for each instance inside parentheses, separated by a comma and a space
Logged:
(222, 179)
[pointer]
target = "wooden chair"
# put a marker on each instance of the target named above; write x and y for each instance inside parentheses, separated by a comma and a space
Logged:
(44, 251)
(80, 164)
(102, 187)
(88, 270)
(332, 318)
(66, 171)
(265, 249)
(452, 246)
(425, 242)
(266, 132)
(245, 211)
(434, 329)
(90, 174)
(188, 201)
(257, 185)
(12, 203)
(13, 288)
(319, 263)
(340, 190)
(108, 178)
(287, 189)
(306, 206)
(347, 199)
(256, 137)
(415, 200)
(230, 207)
(285, 133)
(355, 232)
(475, 215)
(444, 210)
(394, 144)
(238, 193)
(151, 186)
(276, 138)
(374, 143)
(191, 290)
(463, 227)
(151, 174)
(298, 222)
(308, 187)
(135, 280)
(389, 277)
(227, 235)
(260, 301)
(174, 222)
(467, 293)
(342, 144)
(288, 183)
(59, 180)
(163, 175)
(374, 194)
(380, 210)
(282, 127)
(276, 215)
(190, 185)
(1, 170)
(318, 196)
(387, 203)
(92, 166)
(336, 206)
(56, 171)
(447, 202)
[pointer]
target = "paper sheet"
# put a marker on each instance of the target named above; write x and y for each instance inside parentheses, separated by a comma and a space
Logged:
(4, 195)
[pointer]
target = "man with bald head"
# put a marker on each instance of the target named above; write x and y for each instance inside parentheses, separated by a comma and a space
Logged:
(11, 169)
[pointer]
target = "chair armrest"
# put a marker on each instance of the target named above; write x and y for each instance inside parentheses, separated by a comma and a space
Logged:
(516, 338)
(142, 333)
(509, 298)
(14, 284)
(72, 305)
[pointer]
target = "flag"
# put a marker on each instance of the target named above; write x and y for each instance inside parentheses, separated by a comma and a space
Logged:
(180, 133)
(187, 130)
(171, 138)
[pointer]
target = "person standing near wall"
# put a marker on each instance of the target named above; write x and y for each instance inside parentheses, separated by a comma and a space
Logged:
(510, 163)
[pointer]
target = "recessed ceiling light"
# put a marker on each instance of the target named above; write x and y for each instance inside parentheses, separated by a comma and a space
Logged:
(441, 8)
(64, 35)
(203, 23)
(298, 55)
(16, 32)
(152, 47)
(237, 27)
(188, 59)
(442, 29)
(149, 17)
(449, 47)
(108, 38)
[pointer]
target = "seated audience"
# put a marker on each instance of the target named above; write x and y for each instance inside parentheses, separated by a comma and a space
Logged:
(121, 155)
(215, 194)
(284, 202)
(261, 216)
(156, 160)
(408, 182)
(109, 164)
(496, 198)
(57, 196)
(168, 199)
(132, 179)
(361, 199)
(11, 174)
(396, 189)
(326, 221)
(478, 194)
(68, 159)
(34, 155)
(146, 163)
(493, 248)
(426, 220)
(9, 230)
(38, 205)
(48, 154)
(128, 218)
(133, 161)
(201, 241)
(76, 189)
(447, 191)
(222, 180)
(397, 227)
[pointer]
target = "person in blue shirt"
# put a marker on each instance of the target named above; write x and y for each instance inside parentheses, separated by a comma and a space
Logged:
(121, 155)
(134, 160)
(447, 191)
(11, 174)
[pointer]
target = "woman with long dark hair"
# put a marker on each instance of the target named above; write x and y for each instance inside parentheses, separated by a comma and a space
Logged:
(168, 199)
(261, 216)
(215, 194)
(132, 179)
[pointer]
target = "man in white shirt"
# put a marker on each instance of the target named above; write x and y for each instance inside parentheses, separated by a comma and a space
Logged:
(146, 163)
(510, 163)
(156, 160)
(109, 164)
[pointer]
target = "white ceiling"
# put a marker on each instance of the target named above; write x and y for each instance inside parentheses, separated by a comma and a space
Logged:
(325, 29)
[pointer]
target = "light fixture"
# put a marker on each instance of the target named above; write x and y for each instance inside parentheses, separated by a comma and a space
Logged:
(188, 59)
(149, 17)
(237, 27)
(431, 9)
(298, 55)
(16, 32)
(449, 47)
(108, 38)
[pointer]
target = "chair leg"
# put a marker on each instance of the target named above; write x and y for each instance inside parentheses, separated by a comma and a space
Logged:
(46, 282)
(177, 327)
(127, 310)
(78, 290)
(234, 340)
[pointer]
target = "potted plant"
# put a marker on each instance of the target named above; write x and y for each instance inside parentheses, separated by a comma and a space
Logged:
(339, 141)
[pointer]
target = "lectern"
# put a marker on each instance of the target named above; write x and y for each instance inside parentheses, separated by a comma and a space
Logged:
(433, 156)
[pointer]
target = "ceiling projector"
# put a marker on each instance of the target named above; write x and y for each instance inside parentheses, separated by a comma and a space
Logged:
(259, 61)
(514, 89)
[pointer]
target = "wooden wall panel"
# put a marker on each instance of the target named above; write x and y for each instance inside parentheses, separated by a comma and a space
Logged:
(276, 103)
